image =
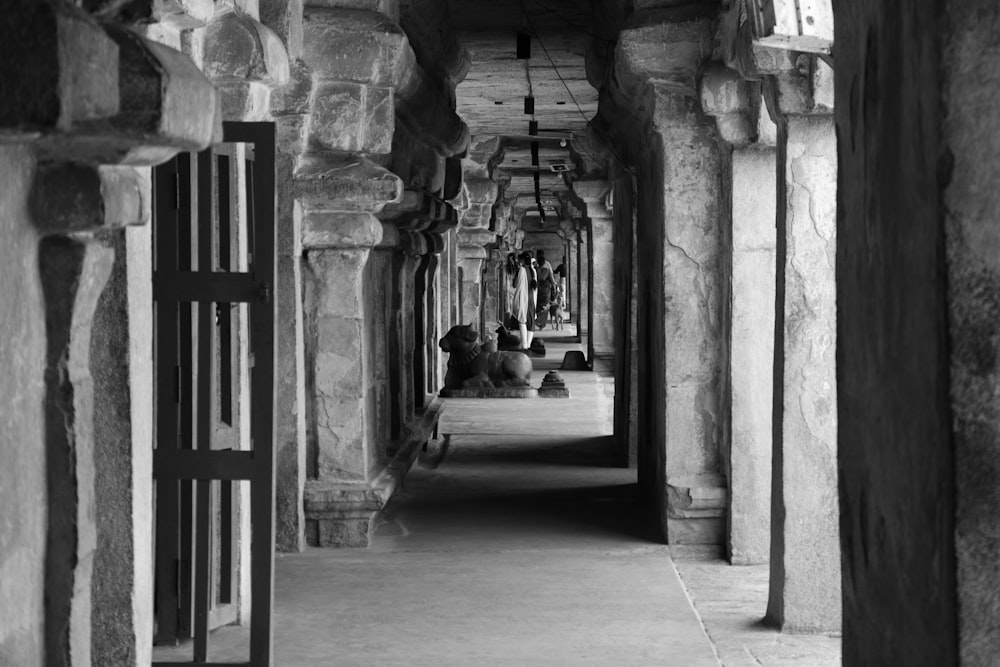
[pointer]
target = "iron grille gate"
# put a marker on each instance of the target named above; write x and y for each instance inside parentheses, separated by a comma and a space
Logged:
(200, 297)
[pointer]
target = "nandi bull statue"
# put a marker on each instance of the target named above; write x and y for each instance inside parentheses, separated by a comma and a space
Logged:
(471, 366)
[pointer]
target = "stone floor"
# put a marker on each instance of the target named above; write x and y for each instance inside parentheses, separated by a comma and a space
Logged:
(517, 541)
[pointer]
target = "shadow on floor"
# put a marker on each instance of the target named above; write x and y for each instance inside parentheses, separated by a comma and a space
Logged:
(598, 451)
(483, 487)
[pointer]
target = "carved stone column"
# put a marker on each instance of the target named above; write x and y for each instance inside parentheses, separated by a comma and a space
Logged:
(366, 94)
(470, 262)
(583, 270)
(727, 97)
(679, 254)
(805, 558)
(601, 297)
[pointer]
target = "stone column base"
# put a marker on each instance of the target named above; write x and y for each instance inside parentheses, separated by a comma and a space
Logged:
(342, 513)
(697, 509)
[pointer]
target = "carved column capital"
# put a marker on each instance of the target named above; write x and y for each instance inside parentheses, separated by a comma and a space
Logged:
(725, 95)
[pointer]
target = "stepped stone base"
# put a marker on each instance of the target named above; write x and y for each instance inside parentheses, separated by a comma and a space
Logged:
(344, 513)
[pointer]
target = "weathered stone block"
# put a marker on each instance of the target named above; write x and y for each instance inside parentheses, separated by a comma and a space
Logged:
(326, 183)
(343, 532)
(328, 229)
(244, 101)
(380, 120)
(338, 115)
(238, 47)
(352, 45)
(293, 97)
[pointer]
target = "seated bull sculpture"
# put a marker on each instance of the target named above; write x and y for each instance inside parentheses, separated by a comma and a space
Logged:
(471, 366)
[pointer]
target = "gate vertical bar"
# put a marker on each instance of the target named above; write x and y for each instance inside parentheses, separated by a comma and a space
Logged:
(263, 169)
(168, 208)
(204, 414)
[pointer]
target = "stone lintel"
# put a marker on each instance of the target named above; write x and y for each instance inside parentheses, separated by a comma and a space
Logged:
(342, 514)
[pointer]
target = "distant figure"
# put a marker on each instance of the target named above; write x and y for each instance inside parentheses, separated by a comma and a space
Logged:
(546, 287)
(522, 309)
(561, 274)
(556, 308)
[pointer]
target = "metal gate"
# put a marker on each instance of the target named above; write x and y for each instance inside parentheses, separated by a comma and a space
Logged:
(214, 272)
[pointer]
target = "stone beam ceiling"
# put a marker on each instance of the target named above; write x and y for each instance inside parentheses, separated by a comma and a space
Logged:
(491, 98)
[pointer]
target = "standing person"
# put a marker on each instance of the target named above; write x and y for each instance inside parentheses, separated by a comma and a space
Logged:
(560, 273)
(546, 289)
(532, 284)
(520, 303)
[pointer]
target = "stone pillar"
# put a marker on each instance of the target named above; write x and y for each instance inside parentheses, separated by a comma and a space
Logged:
(603, 308)
(470, 261)
(918, 345)
(583, 270)
(726, 97)
(680, 258)
(340, 505)
(363, 77)
(805, 561)
(109, 97)
(350, 59)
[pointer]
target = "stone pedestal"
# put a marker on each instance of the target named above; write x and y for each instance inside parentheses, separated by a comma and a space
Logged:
(805, 558)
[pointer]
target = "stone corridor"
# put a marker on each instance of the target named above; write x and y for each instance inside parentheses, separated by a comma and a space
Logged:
(251, 250)
(519, 539)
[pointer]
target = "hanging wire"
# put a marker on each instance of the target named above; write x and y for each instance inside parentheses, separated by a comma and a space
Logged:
(579, 109)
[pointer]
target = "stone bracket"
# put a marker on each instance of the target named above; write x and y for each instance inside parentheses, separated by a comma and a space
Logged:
(105, 95)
